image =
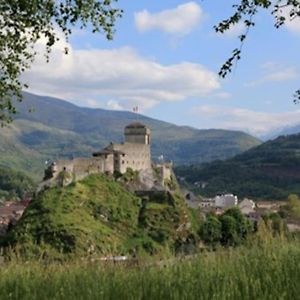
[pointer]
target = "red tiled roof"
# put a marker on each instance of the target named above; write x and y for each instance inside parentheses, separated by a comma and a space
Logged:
(5, 211)
(10, 210)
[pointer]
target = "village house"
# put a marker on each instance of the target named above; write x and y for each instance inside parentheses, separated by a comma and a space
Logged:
(191, 199)
(226, 200)
(247, 206)
(270, 206)
(219, 202)
(207, 202)
(10, 213)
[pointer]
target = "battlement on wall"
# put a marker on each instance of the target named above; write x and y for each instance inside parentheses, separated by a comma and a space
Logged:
(137, 133)
(165, 169)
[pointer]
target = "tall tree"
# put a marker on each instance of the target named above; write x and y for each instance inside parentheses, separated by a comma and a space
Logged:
(24, 22)
(211, 230)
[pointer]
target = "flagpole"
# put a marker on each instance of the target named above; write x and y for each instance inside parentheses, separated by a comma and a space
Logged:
(135, 110)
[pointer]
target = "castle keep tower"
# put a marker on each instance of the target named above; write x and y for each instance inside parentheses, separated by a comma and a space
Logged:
(137, 133)
(135, 152)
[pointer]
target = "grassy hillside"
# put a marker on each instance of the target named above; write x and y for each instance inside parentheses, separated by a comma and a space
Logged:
(15, 155)
(26, 145)
(269, 271)
(58, 129)
(97, 217)
(269, 171)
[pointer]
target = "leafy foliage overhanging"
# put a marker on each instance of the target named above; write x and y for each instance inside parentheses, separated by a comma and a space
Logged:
(24, 22)
(282, 10)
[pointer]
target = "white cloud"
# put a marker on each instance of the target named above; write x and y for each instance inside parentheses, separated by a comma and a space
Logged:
(270, 66)
(114, 105)
(294, 25)
(291, 24)
(222, 95)
(282, 75)
(256, 122)
(118, 74)
(181, 20)
(92, 103)
(274, 72)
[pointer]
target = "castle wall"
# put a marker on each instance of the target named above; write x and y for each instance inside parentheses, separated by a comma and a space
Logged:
(109, 164)
(79, 168)
(138, 139)
(165, 171)
(83, 167)
(136, 156)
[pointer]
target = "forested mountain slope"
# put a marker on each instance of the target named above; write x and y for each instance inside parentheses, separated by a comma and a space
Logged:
(269, 171)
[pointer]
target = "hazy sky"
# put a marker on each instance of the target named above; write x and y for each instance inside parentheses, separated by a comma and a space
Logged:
(165, 58)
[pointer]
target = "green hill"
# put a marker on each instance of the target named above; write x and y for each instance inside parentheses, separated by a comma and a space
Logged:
(269, 171)
(97, 217)
(59, 129)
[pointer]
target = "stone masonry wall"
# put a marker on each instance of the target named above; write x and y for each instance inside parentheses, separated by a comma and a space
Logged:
(63, 172)
(137, 156)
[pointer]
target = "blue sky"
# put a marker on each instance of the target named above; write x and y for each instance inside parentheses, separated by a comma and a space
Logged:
(165, 57)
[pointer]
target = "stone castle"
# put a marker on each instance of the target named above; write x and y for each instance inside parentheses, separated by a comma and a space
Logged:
(134, 153)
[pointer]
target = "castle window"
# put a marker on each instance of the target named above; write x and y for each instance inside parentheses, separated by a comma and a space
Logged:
(123, 162)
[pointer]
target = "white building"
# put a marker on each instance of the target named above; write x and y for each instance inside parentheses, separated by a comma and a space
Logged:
(247, 206)
(208, 202)
(224, 201)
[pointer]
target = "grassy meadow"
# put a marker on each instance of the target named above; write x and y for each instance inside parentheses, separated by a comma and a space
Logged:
(261, 271)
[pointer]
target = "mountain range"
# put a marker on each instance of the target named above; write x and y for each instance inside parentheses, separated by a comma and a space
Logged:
(48, 128)
(288, 130)
(269, 171)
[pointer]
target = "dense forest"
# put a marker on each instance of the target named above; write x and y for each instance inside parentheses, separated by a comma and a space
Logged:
(269, 171)
(14, 185)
